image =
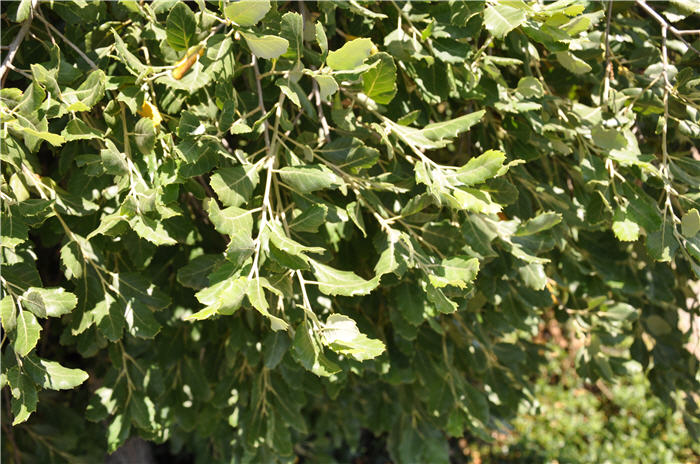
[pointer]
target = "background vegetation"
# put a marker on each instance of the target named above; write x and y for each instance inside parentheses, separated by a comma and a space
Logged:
(351, 231)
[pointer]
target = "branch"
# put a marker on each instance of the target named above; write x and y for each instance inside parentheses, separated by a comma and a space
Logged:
(261, 104)
(14, 46)
(608, 64)
(65, 39)
(321, 115)
(665, 24)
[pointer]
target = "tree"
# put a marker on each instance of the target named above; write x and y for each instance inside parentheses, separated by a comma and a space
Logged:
(252, 230)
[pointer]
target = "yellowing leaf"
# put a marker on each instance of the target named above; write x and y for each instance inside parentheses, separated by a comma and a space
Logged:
(150, 111)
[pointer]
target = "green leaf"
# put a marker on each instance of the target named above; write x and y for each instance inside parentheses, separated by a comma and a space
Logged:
(195, 273)
(145, 136)
(27, 336)
(379, 82)
(76, 129)
(151, 230)
(457, 271)
(256, 296)
(52, 375)
(288, 245)
(309, 178)
(266, 46)
(573, 63)
(24, 404)
(113, 161)
(662, 244)
(14, 231)
(247, 12)
(533, 275)
(530, 87)
(234, 186)
(23, 10)
(321, 38)
(307, 353)
(624, 228)
(540, 223)
(293, 31)
(180, 27)
(439, 131)
(310, 219)
(49, 302)
(327, 85)
(690, 224)
(108, 314)
(231, 220)
(351, 55)
(88, 94)
(499, 19)
(340, 333)
(8, 315)
(332, 281)
(641, 209)
(275, 346)
(481, 168)
(224, 297)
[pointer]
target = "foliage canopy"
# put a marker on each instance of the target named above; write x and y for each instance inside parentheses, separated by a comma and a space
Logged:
(253, 229)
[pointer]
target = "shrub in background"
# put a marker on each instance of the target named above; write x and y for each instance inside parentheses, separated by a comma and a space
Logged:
(253, 230)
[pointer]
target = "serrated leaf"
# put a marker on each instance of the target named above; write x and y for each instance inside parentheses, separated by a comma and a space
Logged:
(457, 271)
(54, 376)
(8, 315)
(76, 129)
(662, 244)
(247, 12)
(108, 314)
(379, 82)
(350, 56)
(499, 19)
(88, 94)
(309, 178)
(27, 335)
(195, 273)
(341, 334)
(49, 302)
(256, 296)
(224, 297)
(230, 221)
(151, 230)
(180, 27)
(24, 403)
(234, 186)
(266, 46)
(288, 245)
(440, 131)
(332, 281)
(533, 275)
(481, 168)
(310, 219)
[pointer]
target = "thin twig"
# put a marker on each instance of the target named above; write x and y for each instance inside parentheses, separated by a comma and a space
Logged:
(65, 39)
(324, 124)
(608, 64)
(14, 46)
(665, 23)
(261, 104)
